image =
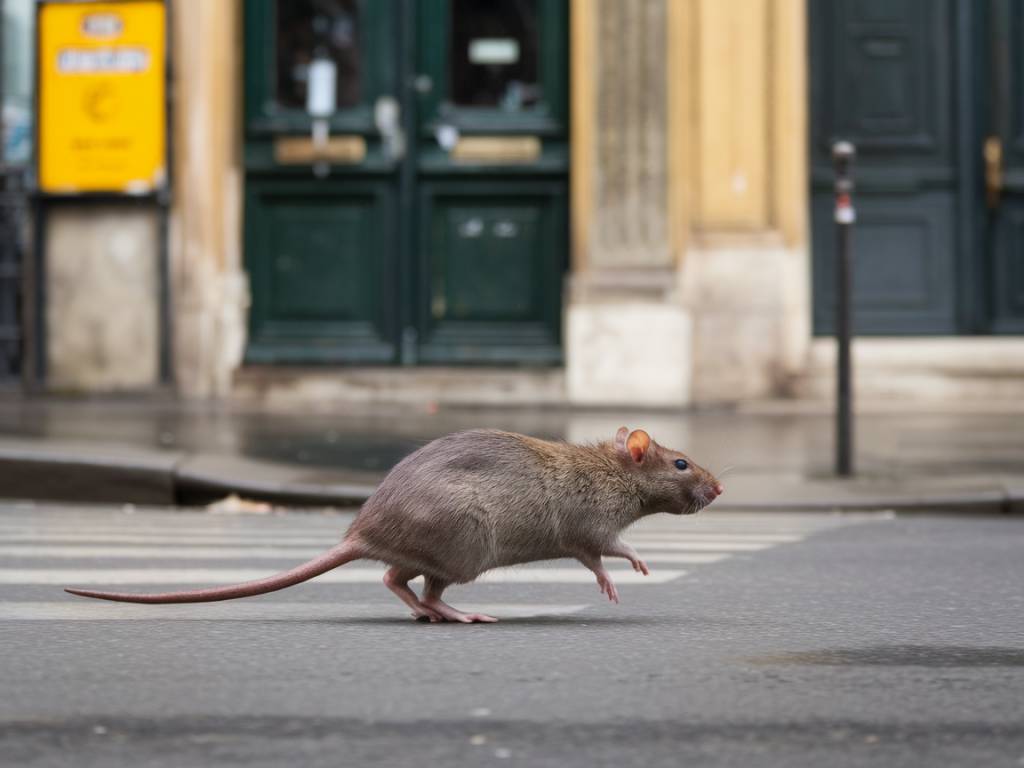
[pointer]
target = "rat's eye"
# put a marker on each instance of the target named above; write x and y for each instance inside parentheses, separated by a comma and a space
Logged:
(681, 464)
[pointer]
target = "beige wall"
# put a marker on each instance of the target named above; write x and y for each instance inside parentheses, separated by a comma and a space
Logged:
(746, 137)
(746, 273)
(689, 193)
(727, 113)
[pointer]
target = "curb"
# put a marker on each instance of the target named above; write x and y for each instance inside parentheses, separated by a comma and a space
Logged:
(70, 472)
(82, 473)
(194, 488)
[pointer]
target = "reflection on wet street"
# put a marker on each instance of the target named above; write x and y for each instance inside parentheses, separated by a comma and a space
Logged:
(374, 438)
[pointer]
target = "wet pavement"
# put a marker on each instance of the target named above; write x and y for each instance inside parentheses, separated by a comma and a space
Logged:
(775, 458)
(372, 439)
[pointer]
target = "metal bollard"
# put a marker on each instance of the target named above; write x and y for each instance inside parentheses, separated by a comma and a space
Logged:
(843, 153)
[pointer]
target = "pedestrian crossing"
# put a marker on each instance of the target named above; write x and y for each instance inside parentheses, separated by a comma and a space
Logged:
(153, 551)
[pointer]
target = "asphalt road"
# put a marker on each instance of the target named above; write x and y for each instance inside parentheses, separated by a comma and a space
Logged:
(796, 640)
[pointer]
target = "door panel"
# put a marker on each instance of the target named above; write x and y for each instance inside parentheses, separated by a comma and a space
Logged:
(321, 261)
(483, 269)
(904, 250)
(326, 238)
(883, 77)
(493, 256)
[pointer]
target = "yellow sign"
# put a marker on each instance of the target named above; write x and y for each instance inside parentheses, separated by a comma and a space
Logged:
(102, 101)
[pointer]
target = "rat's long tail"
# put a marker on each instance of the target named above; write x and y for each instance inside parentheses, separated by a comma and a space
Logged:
(345, 552)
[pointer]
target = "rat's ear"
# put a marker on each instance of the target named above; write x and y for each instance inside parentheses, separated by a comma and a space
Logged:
(638, 443)
(620, 438)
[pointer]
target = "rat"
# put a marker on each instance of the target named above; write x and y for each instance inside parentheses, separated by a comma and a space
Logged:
(472, 501)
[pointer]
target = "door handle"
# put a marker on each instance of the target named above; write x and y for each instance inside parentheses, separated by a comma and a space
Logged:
(387, 115)
(993, 152)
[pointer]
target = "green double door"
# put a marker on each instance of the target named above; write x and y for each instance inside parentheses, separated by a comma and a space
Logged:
(428, 223)
(932, 94)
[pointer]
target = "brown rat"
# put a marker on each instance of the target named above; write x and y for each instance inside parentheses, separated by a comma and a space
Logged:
(472, 501)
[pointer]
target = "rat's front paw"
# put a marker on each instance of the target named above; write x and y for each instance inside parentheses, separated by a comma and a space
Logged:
(640, 567)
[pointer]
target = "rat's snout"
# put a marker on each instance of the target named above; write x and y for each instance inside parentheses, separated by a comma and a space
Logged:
(712, 492)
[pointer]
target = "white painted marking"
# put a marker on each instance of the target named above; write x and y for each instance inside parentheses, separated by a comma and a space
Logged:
(703, 546)
(766, 538)
(718, 545)
(698, 558)
(578, 575)
(729, 530)
(255, 530)
(260, 532)
(130, 538)
(247, 553)
(250, 610)
(149, 552)
(297, 536)
(71, 577)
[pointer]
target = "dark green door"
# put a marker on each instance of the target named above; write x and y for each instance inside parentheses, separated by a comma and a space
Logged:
(1003, 85)
(922, 87)
(430, 226)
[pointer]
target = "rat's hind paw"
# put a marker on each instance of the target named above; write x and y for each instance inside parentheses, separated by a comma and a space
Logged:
(607, 587)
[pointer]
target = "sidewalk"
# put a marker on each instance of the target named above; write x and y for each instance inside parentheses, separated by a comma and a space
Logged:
(163, 452)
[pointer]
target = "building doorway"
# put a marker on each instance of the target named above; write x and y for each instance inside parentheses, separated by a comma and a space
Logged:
(430, 226)
(926, 90)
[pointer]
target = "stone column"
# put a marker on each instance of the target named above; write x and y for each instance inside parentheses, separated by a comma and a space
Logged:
(746, 270)
(627, 335)
(209, 286)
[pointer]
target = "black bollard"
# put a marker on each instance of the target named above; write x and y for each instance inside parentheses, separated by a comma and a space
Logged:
(843, 153)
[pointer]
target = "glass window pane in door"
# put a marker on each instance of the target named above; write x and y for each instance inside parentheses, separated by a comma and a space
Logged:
(317, 29)
(494, 54)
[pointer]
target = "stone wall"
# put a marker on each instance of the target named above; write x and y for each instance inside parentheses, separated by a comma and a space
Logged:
(627, 335)
(690, 270)
(745, 274)
(102, 298)
(631, 169)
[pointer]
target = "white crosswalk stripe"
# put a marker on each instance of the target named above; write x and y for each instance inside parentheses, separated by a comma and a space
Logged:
(719, 544)
(147, 551)
(30, 551)
(348, 575)
(242, 610)
(25, 532)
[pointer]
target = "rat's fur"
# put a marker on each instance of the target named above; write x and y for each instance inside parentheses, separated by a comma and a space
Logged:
(472, 501)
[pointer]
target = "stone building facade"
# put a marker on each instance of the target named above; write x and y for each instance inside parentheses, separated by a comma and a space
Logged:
(687, 273)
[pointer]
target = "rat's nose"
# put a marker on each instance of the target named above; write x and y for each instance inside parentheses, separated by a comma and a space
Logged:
(712, 492)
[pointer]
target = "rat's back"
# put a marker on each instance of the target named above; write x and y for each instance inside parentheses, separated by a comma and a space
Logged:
(465, 503)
